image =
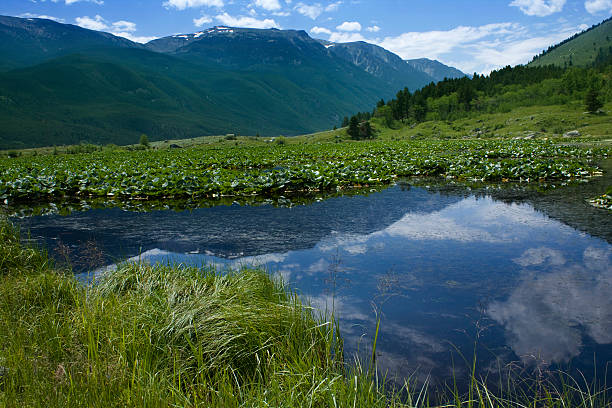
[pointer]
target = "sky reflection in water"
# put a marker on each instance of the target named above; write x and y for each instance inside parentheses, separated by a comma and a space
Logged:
(442, 273)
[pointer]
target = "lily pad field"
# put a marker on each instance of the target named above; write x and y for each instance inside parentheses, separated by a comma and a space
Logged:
(203, 172)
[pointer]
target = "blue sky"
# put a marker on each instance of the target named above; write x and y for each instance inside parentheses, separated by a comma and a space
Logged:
(474, 36)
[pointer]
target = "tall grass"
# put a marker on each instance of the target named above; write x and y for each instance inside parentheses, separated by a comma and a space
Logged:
(175, 336)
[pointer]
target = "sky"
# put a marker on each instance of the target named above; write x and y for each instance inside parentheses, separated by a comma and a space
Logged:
(474, 36)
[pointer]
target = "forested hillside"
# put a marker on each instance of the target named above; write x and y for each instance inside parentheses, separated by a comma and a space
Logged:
(501, 91)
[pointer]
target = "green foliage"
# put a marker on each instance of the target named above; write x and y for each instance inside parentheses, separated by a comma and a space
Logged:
(386, 114)
(365, 130)
(501, 91)
(353, 128)
(144, 140)
(197, 173)
(592, 102)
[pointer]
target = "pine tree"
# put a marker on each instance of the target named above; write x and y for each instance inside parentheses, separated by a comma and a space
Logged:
(593, 104)
(144, 140)
(365, 130)
(353, 128)
(345, 121)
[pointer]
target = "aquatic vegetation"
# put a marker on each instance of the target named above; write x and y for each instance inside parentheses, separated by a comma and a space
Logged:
(275, 169)
(603, 201)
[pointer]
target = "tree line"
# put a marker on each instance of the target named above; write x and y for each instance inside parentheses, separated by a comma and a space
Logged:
(500, 91)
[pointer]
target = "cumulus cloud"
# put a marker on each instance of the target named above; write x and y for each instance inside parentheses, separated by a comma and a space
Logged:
(373, 29)
(344, 37)
(313, 11)
(316, 9)
(349, 26)
(539, 8)
(199, 22)
(598, 6)
(43, 16)
(121, 28)
(248, 22)
(184, 4)
(477, 48)
(97, 23)
(123, 25)
(270, 5)
(320, 30)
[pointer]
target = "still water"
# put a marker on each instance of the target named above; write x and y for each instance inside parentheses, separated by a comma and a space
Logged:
(450, 273)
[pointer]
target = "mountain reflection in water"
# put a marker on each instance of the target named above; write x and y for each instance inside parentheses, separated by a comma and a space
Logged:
(443, 272)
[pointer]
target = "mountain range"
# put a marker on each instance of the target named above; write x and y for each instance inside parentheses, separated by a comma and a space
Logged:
(63, 84)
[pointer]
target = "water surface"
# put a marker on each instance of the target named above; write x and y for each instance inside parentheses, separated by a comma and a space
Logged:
(448, 271)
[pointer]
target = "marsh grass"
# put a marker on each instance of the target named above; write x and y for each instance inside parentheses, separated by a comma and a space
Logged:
(176, 336)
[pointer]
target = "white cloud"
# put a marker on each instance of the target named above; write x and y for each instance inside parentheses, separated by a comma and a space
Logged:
(183, 4)
(98, 2)
(539, 8)
(320, 30)
(598, 6)
(333, 7)
(349, 26)
(313, 11)
(270, 5)
(421, 44)
(135, 38)
(97, 23)
(123, 25)
(43, 16)
(247, 22)
(477, 49)
(345, 37)
(121, 28)
(374, 29)
(316, 9)
(199, 22)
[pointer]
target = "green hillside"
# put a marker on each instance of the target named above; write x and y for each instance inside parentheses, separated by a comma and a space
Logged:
(114, 95)
(580, 50)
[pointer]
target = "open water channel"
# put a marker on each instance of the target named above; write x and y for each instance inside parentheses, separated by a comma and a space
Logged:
(521, 278)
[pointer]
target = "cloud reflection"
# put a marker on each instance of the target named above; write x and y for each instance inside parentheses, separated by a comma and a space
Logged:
(546, 315)
(471, 220)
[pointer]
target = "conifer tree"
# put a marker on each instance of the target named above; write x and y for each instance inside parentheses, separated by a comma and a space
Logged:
(593, 104)
(353, 128)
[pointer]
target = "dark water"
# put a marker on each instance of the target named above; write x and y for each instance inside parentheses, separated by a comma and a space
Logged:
(449, 271)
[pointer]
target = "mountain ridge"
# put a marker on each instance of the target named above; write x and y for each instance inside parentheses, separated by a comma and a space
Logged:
(63, 84)
(434, 68)
(30, 41)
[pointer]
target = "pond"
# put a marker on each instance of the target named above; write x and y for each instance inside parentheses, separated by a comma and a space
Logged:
(521, 278)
